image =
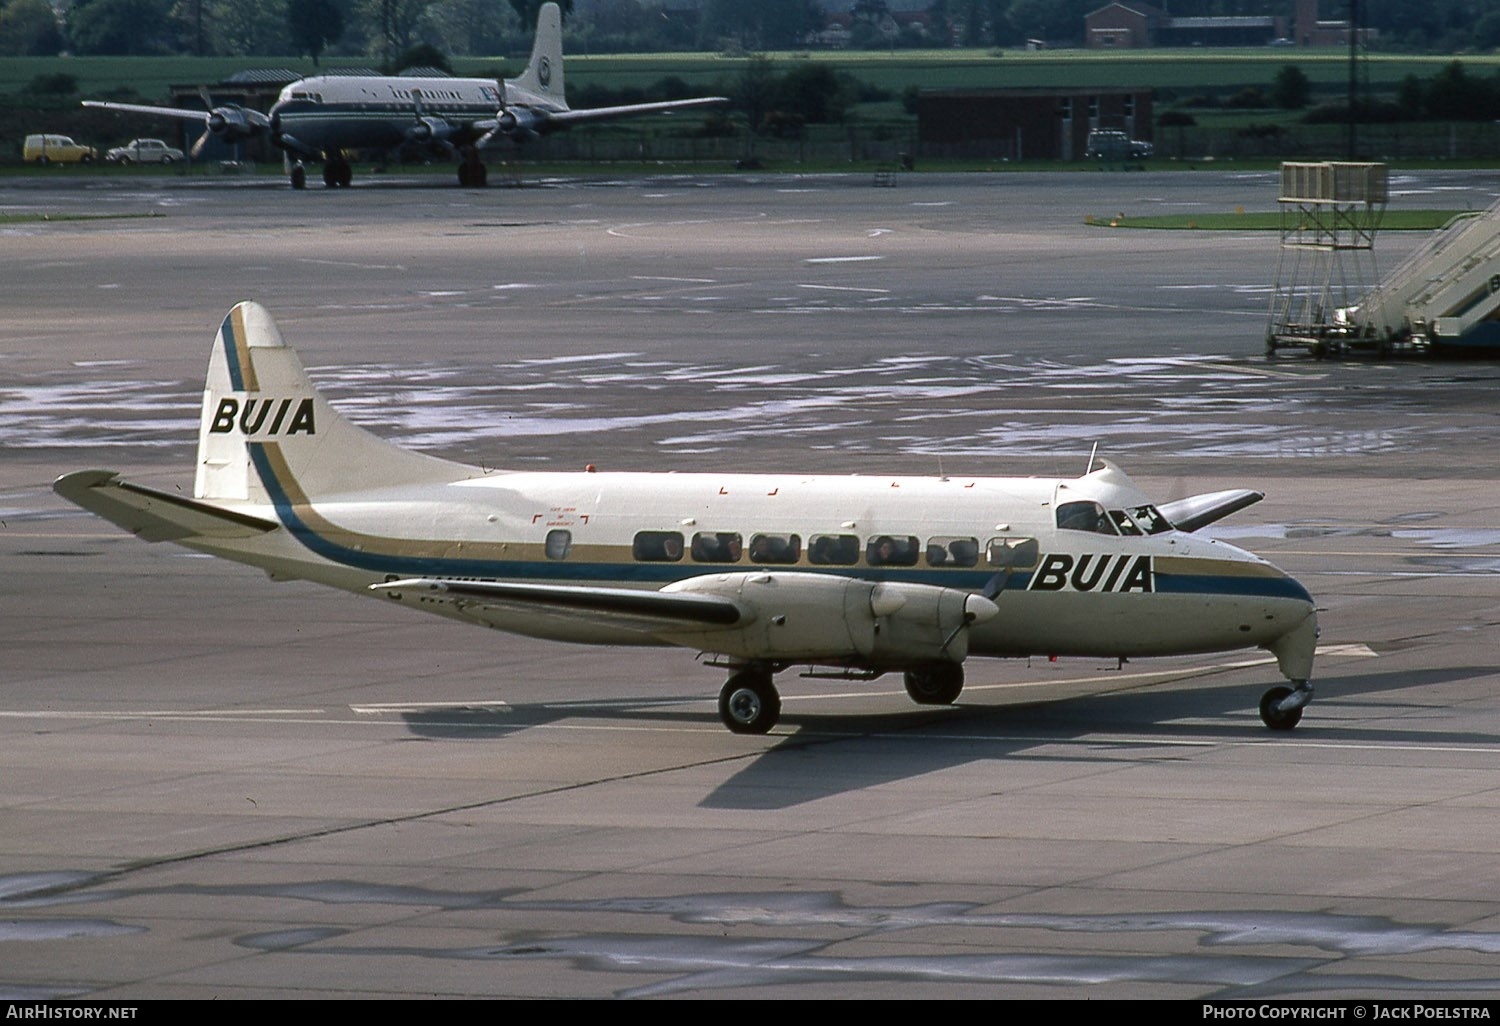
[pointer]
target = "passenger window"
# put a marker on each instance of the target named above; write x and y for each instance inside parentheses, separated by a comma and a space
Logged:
(1084, 516)
(1123, 522)
(658, 546)
(1016, 553)
(893, 550)
(952, 551)
(833, 550)
(775, 548)
(559, 544)
(721, 547)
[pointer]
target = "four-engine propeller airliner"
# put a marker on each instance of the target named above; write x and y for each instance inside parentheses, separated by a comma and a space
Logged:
(327, 117)
(850, 577)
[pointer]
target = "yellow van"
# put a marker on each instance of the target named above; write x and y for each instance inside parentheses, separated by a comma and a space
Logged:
(56, 149)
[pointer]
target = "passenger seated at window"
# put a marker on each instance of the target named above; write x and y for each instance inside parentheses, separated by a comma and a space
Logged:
(964, 551)
(723, 547)
(775, 548)
(887, 550)
(657, 546)
(833, 550)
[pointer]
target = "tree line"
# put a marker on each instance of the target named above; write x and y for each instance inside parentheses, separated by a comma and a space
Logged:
(380, 28)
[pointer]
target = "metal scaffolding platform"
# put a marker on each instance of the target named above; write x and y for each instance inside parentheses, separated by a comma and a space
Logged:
(1330, 213)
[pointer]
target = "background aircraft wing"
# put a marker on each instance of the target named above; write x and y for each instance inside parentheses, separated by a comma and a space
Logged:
(573, 117)
(624, 608)
(154, 515)
(1201, 510)
(200, 116)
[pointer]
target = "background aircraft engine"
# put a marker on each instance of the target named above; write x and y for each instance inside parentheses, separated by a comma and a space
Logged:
(429, 129)
(231, 123)
(825, 618)
(518, 124)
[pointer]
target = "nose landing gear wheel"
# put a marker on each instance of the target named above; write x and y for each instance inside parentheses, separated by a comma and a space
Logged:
(749, 703)
(1272, 716)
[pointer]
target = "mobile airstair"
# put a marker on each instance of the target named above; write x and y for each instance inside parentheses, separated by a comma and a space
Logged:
(1445, 295)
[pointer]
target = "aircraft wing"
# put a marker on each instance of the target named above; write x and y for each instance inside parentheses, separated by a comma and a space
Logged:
(200, 116)
(573, 117)
(154, 515)
(523, 121)
(627, 608)
(1201, 510)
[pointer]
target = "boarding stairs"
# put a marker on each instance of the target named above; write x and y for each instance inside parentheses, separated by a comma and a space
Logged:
(1443, 290)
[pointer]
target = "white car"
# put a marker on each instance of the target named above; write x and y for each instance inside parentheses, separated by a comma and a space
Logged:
(144, 151)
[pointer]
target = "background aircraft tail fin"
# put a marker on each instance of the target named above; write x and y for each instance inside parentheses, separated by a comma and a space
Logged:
(544, 74)
(266, 435)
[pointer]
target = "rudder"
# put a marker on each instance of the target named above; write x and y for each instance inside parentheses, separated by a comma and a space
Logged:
(544, 72)
(265, 432)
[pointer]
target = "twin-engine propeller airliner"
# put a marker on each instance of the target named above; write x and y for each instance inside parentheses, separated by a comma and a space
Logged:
(327, 117)
(851, 577)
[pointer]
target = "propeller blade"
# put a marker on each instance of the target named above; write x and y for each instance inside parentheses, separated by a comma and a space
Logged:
(202, 141)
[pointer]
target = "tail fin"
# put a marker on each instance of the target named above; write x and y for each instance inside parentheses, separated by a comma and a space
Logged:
(544, 74)
(267, 436)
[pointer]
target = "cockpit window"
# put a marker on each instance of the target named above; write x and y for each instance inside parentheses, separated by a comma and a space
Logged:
(1150, 519)
(1123, 522)
(1084, 515)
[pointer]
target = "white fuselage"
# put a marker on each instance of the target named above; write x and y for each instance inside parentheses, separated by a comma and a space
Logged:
(1060, 591)
(351, 112)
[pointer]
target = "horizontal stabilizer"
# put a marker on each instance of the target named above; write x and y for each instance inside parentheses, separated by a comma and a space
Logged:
(1201, 510)
(623, 607)
(154, 515)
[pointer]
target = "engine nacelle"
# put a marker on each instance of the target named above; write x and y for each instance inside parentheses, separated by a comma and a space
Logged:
(832, 619)
(232, 123)
(518, 123)
(429, 129)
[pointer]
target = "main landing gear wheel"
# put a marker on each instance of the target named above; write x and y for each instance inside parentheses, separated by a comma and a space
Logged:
(748, 703)
(337, 173)
(935, 685)
(1272, 706)
(299, 177)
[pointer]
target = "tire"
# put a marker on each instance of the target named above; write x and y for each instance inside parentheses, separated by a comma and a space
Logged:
(166, 160)
(748, 703)
(126, 162)
(86, 159)
(43, 160)
(939, 684)
(299, 177)
(1274, 719)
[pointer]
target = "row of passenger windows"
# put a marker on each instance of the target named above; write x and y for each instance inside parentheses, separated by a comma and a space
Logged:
(821, 549)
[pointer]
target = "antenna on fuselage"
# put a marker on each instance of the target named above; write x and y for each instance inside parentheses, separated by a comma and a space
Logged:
(1092, 453)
